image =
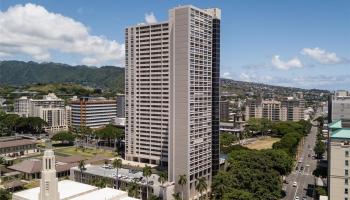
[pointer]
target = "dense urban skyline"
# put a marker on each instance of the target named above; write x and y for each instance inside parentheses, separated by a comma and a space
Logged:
(290, 43)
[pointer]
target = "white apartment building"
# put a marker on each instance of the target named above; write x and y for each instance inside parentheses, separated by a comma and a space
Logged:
(21, 106)
(342, 93)
(339, 108)
(69, 116)
(55, 117)
(172, 94)
(120, 106)
(50, 108)
(92, 112)
(271, 109)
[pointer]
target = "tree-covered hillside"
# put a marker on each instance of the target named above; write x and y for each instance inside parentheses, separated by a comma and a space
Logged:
(23, 73)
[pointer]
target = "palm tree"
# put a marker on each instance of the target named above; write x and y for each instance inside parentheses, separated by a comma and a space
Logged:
(117, 163)
(163, 176)
(147, 172)
(133, 189)
(177, 196)
(182, 181)
(201, 185)
(81, 167)
(100, 183)
(2, 161)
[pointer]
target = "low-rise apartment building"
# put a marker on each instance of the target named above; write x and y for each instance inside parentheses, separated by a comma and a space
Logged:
(287, 109)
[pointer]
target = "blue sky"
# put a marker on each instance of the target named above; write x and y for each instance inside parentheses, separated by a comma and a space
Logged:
(292, 43)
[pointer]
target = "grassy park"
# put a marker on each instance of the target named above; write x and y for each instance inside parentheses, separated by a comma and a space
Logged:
(263, 143)
(86, 153)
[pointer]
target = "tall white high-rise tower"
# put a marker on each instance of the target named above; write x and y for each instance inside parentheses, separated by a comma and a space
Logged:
(48, 182)
(172, 79)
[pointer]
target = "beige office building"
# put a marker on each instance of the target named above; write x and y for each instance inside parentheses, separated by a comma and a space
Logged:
(338, 159)
(172, 94)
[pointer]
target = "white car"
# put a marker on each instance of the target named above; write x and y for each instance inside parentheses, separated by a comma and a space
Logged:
(296, 198)
(295, 184)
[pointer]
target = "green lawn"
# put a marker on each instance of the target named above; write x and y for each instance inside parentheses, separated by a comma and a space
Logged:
(87, 153)
(32, 184)
(265, 143)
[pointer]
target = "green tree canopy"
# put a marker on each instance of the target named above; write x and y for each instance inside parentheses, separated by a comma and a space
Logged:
(252, 175)
(5, 195)
(64, 137)
(110, 132)
(226, 139)
(320, 148)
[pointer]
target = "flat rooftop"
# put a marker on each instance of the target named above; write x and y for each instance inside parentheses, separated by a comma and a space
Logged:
(76, 191)
(66, 189)
(102, 194)
(124, 174)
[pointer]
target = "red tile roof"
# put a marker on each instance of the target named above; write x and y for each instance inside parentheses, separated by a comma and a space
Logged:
(15, 143)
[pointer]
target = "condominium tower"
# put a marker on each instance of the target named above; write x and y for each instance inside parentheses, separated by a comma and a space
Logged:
(172, 94)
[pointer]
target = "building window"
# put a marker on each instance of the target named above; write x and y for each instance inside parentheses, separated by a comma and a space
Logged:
(346, 198)
(346, 163)
(346, 191)
(346, 172)
(346, 181)
(346, 153)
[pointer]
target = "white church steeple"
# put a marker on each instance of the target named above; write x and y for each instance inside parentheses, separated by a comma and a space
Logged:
(48, 182)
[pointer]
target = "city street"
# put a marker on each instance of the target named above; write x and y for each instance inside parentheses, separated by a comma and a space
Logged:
(303, 177)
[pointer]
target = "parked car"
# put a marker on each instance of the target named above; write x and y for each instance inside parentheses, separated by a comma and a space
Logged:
(295, 184)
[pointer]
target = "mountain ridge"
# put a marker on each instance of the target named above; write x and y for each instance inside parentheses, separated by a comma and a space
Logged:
(20, 73)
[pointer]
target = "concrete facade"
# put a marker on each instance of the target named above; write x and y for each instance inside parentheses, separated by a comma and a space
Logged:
(50, 108)
(92, 112)
(338, 159)
(171, 93)
(289, 109)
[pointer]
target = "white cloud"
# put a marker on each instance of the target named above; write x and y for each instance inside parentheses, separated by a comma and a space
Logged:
(32, 30)
(285, 65)
(321, 55)
(150, 18)
(253, 77)
(227, 75)
(246, 77)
